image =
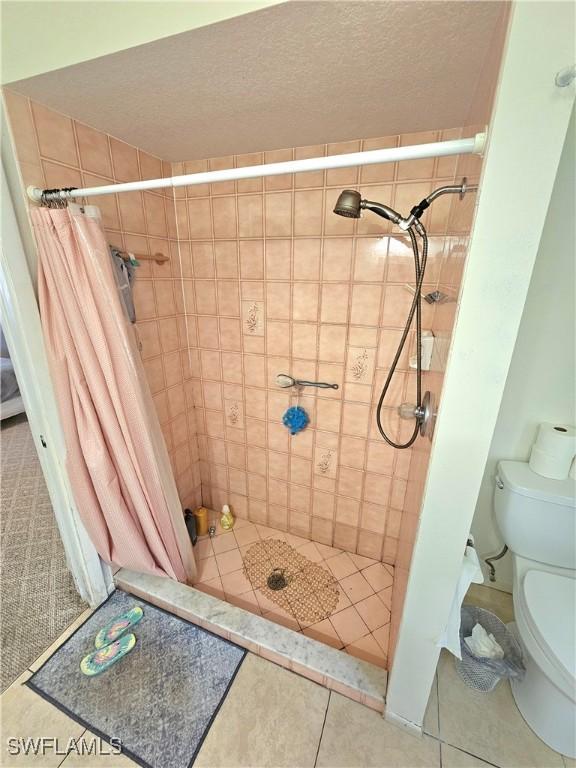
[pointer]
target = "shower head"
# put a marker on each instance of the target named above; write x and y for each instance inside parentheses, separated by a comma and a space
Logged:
(348, 204)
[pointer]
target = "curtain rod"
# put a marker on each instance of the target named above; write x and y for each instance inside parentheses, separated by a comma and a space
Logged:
(473, 145)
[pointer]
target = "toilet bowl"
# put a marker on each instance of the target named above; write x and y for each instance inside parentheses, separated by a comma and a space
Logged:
(545, 629)
(537, 519)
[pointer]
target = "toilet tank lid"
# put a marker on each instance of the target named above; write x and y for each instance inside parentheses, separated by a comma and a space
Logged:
(551, 601)
(518, 477)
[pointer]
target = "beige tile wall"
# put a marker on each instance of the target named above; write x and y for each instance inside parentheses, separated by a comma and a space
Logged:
(55, 151)
(279, 284)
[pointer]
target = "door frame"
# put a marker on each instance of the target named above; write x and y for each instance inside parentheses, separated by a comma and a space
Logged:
(23, 330)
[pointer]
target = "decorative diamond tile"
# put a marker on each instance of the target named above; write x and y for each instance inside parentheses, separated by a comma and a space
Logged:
(378, 577)
(203, 548)
(207, 569)
(324, 632)
(362, 562)
(229, 561)
(311, 551)
(224, 543)
(283, 618)
(246, 600)
(327, 551)
(247, 535)
(342, 565)
(235, 583)
(367, 649)
(386, 596)
(349, 625)
(356, 587)
(212, 587)
(382, 637)
(374, 612)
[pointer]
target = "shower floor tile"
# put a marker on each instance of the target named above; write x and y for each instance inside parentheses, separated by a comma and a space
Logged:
(360, 622)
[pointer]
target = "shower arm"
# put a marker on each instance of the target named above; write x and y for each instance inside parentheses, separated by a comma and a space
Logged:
(413, 220)
(450, 189)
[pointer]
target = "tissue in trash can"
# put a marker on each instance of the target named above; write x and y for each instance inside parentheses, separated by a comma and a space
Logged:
(483, 645)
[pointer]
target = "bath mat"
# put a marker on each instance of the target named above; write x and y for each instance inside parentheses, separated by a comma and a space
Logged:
(292, 581)
(160, 699)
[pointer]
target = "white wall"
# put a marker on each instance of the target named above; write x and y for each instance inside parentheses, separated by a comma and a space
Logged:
(526, 138)
(541, 382)
(84, 30)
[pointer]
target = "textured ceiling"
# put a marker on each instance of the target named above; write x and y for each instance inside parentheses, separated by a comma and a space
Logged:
(294, 74)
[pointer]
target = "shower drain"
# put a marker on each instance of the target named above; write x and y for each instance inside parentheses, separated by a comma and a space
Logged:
(288, 578)
(277, 580)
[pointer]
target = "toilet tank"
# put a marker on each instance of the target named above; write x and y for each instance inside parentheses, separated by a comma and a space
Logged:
(536, 516)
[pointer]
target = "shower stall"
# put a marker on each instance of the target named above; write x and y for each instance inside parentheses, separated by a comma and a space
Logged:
(337, 263)
(264, 279)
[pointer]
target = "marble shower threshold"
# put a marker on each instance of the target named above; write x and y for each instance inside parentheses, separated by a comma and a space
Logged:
(352, 677)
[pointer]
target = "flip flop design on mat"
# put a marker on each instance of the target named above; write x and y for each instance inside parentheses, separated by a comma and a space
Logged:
(118, 626)
(102, 659)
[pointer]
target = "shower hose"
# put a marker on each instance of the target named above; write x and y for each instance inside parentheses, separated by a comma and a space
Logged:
(416, 308)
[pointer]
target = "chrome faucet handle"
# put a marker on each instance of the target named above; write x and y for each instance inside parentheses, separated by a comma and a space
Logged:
(424, 414)
(407, 411)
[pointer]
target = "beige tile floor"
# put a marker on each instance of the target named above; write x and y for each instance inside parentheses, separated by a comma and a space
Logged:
(273, 717)
(360, 622)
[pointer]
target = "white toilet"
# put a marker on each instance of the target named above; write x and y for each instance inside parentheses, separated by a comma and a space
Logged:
(537, 520)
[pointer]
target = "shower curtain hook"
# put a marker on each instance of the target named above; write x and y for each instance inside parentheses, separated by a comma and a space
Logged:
(50, 198)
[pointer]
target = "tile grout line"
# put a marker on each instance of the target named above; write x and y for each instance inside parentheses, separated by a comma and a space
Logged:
(323, 726)
(437, 683)
(439, 738)
(459, 749)
(67, 755)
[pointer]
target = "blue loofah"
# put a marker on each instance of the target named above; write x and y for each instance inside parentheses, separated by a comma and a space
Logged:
(296, 419)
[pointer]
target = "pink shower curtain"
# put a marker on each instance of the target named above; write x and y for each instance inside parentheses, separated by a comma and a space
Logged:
(116, 458)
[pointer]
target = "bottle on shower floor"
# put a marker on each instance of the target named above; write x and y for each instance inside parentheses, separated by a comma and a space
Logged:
(227, 520)
(201, 515)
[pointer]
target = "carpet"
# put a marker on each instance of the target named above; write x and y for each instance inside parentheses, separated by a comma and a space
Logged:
(159, 700)
(39, 599)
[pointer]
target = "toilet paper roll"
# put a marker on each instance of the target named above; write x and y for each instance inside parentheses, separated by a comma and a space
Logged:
(553, 451)
(556, 439)
(549, 465)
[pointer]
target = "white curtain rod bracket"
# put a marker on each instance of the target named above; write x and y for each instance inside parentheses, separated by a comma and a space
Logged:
(473, 145)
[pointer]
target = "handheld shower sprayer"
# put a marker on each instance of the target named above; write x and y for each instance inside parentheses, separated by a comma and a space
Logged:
(350, 204)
